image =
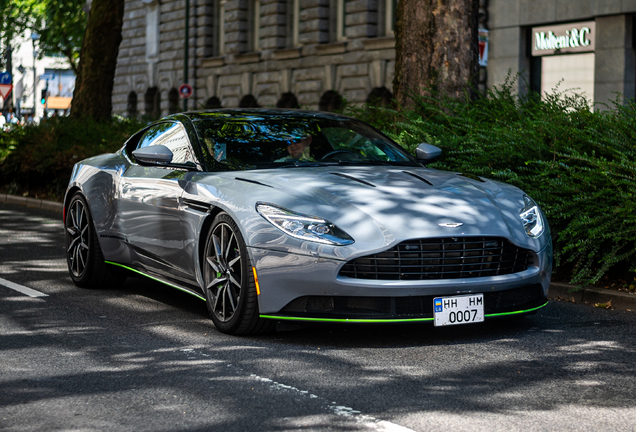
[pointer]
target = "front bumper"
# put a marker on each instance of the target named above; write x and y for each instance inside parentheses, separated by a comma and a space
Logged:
(309, 288)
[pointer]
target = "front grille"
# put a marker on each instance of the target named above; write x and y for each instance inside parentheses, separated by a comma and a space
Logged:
(441, 258)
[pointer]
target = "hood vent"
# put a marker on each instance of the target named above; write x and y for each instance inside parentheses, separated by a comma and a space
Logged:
(252, 181)
(418, 177)
(354, 179)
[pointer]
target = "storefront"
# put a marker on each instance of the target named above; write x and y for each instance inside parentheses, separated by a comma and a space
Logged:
(581, 47)
(564, 58)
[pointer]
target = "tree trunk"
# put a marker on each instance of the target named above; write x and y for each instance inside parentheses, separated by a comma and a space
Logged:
(92, 96)
(436, 47)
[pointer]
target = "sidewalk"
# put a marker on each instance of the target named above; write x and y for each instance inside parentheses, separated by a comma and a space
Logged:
(558, 291)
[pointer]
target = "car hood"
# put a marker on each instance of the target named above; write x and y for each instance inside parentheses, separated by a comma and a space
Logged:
(379, 206)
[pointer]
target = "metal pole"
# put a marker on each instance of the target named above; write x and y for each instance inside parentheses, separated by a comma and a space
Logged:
(35, 83)
(35, 36)
(187, 48)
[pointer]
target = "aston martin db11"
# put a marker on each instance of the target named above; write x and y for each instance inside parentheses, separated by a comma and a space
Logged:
(271, 215)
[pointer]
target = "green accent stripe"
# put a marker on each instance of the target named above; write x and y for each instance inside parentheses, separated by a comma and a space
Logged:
(289, 318)
(346, 320)
(515, 312)
(156, 279)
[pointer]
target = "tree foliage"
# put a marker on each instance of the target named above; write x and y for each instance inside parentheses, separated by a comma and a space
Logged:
(60, 24)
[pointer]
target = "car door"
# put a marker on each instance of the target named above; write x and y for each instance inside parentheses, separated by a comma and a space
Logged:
(150, 205)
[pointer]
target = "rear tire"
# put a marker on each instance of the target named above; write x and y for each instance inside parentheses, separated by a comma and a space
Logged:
(84, 256)
(230, 290)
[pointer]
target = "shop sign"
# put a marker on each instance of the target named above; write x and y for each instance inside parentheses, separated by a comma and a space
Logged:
(566, 38)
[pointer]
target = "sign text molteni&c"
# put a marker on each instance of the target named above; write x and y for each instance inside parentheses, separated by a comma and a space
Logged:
(565, 38)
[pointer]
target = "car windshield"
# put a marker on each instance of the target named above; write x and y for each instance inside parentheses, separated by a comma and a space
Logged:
(288, 142)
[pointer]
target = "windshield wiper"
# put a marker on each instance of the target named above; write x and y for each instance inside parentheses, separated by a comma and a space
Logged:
(308, 164)
(348, 162)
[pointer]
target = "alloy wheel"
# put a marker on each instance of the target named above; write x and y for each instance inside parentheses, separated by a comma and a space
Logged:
(225, 271)
(77, 229)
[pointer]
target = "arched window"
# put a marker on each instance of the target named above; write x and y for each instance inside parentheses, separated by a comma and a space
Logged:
(330, 101)
(173, 101)
(213, 103)
(132, 104)
(152, 103)
(380, 97)
(287, 100)
(248, 101)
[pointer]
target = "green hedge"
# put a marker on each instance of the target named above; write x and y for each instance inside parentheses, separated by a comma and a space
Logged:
(38, 159)
(578, 164)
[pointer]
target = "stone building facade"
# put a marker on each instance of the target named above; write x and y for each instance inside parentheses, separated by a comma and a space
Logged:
(287, 53)
(310, 53)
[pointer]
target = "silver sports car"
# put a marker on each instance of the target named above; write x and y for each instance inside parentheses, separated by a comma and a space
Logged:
(271, 215)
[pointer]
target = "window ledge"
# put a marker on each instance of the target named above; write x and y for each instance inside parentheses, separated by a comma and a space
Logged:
(379, 43)
(288, 53)
(332, 48)
(252, 57)
(213, 61)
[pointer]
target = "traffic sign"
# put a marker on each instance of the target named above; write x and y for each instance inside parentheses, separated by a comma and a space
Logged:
(5, 90)
(5, 78)
(185, 91)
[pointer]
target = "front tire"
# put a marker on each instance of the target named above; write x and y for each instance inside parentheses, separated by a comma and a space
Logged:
(230, 289)
(84, 256)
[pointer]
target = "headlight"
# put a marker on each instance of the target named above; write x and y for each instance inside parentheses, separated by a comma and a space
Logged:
(302, 226)
(531, 217)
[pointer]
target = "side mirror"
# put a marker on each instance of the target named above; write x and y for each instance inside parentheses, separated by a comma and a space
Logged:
(427, 153)
(154, 155)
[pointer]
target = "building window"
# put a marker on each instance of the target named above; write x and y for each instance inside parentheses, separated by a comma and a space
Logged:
(248, 101)
(213, 103)
(152, 31)
(254, 25)
(221, 27)
(386, 17)
(337, 20)
(330, 101)
(173, 101)
(293, 8)
(152, 103)
(287, 100)
(132, 104)
(380, 97)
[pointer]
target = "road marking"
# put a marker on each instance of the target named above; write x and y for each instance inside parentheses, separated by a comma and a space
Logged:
(362, 419)
(24, 290)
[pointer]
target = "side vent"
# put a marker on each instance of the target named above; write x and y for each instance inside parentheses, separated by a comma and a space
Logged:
(197, 205)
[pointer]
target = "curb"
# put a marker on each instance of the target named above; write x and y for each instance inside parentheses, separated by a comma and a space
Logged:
(33, 203)
(620, 299)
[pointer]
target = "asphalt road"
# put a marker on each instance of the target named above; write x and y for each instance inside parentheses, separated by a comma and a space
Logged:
(145, 357)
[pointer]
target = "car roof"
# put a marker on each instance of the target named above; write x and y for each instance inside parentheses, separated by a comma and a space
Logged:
(255, 113)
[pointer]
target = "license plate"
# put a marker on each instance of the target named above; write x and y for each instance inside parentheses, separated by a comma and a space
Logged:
(458, 309)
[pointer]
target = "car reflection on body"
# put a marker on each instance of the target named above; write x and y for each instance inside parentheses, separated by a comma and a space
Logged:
(351, 228)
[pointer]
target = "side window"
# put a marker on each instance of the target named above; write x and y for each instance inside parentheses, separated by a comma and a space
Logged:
(173, 136)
